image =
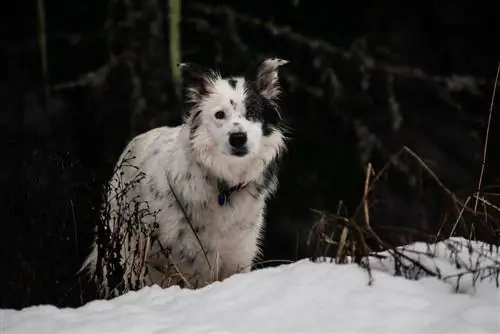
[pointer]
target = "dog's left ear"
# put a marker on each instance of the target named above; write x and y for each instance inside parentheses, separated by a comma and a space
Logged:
(267, 77)
(195, 80)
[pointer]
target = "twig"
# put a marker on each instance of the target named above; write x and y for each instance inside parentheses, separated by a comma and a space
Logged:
(369, 171)
(457, 220)
(486, 202)
(342, 242)
(76, 245)
(472, 271)
(188, 220)
(487, 137)
(395, 252)
(181, 275)
(270, 261)
(431, 173)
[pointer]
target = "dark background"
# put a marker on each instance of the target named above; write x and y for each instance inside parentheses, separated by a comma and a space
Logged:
(365, 79)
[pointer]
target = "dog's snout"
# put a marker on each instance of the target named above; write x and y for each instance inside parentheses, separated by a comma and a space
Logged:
(237, 139)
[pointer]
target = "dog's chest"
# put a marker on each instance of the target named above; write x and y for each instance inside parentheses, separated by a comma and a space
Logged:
(226, 212)
(200, 209)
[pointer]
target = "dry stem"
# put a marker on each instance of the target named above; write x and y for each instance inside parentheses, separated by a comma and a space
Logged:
(486, 139)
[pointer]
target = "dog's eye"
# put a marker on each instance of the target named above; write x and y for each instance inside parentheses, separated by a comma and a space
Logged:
(220, 114)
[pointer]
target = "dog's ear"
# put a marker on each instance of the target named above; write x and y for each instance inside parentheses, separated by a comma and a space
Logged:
(267, 77)
(195, 80)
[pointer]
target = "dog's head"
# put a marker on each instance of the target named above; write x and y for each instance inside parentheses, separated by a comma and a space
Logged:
(233, 120)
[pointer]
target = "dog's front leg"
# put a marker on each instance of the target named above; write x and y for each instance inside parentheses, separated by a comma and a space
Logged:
(240, 252)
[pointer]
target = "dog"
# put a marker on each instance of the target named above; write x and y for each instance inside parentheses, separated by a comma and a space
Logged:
(186, 204)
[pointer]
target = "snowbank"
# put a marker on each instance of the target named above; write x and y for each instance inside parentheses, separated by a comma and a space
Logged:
(303, 297)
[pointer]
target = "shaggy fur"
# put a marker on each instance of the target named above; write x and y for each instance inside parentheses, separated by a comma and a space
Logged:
(205, 182)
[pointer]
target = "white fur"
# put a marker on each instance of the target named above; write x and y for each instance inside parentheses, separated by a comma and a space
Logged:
(191, 163)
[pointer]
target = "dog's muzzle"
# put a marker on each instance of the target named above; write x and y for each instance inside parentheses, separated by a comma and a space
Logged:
(238, 141)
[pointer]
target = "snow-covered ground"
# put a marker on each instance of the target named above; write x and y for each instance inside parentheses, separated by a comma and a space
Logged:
(303, 297)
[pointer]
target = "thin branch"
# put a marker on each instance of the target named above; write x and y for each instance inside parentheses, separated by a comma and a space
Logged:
(487, 137)
(188, 220)
(433, 175)
(369, 172)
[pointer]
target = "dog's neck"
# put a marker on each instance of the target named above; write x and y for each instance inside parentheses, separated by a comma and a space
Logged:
(224, 191)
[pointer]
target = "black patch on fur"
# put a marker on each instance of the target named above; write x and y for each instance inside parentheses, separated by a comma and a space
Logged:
(166, 250)
(255, 195)
(195, 77)
(187, 207)
(158, 195)
(156, 151)
(190, 260)
(261, 110)
(222, 185)
(181, 234)
(195, 124)
(182, 254)
(233, 104)
(199, 229)
(232, 82)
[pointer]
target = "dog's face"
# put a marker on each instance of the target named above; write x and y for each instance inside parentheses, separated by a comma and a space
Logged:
(235, 117)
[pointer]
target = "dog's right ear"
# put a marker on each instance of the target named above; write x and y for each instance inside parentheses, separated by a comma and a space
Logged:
(195, 81)
(267, 77)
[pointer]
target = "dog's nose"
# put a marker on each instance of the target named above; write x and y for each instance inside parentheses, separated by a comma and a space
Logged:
(237, 139)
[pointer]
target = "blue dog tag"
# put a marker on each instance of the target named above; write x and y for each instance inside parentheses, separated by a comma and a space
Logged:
(222, 199)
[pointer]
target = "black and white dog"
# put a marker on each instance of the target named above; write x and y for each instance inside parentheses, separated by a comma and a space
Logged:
(207, 180)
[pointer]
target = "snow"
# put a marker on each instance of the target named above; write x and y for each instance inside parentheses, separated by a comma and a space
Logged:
(303, 297)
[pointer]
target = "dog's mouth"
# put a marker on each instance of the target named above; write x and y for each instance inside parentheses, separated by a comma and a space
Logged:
(239, 152)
